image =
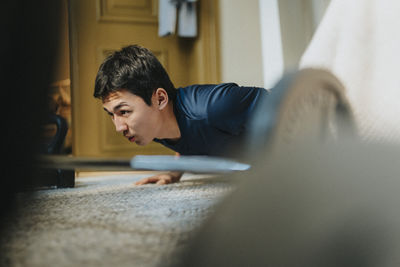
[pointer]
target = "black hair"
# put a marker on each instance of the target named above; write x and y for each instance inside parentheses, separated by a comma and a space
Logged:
(135, 69)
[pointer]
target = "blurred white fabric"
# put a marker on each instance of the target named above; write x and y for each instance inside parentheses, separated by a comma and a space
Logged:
(167, 17)
(359, 41)
(187, 23)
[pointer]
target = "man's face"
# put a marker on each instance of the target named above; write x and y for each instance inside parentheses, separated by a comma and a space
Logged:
(137, 121)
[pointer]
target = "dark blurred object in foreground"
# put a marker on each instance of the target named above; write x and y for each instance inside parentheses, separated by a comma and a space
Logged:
(29, 45)
(315, 195)
(309, 205)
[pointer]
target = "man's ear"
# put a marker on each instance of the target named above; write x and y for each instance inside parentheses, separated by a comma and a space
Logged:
(160, 98)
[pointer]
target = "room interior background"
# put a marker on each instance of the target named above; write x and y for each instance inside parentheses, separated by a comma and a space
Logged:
(251, 43)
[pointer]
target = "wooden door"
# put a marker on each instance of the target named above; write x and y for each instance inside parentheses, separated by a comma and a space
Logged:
(98, 27)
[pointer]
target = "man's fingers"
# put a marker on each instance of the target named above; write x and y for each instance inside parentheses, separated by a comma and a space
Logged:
(149, 180)
(161, 181)
(140, 182)
(152, 180)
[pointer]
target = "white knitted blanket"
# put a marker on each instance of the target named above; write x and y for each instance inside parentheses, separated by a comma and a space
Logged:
(359, 42)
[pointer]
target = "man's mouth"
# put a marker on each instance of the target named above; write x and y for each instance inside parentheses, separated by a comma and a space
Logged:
(131, 139)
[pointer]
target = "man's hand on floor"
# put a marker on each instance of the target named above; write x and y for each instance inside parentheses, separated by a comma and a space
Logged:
(163, 178)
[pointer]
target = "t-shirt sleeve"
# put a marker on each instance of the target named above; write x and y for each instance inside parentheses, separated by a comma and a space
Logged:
(230, 106)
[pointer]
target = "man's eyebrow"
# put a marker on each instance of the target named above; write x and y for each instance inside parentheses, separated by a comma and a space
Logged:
(106, 110)
(117, 107)
(120, 105)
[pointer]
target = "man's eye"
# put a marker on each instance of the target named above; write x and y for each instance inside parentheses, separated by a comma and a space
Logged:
(124, 112)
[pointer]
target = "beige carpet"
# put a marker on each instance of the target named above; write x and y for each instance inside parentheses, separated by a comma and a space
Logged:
(107, 221)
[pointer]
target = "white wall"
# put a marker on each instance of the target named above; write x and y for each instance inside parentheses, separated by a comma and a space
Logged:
(262, 39)
(298, 20)
(241, 53)
(318, 10)
(271, 42)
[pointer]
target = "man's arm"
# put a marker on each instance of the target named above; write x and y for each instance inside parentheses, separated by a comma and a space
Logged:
(163, 178)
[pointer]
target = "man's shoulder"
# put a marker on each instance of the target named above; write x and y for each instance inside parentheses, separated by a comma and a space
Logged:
(194, 100)
(204, 98)
(206, 88)
(199, 94)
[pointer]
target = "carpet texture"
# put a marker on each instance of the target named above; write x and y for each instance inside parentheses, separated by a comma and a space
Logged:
(107, 221)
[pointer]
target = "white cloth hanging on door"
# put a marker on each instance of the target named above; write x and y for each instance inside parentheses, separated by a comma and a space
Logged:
(359, 42)
(166, 17)
(187, 22)
(187, 17)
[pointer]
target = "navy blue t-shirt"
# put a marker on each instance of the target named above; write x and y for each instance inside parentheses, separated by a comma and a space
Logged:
(213, 118)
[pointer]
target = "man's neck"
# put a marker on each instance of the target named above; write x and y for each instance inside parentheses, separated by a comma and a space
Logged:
(170, 124)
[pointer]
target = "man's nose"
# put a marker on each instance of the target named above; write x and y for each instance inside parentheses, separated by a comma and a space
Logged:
(120, 124)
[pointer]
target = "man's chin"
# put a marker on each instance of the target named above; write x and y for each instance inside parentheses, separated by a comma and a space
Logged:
(140, 143)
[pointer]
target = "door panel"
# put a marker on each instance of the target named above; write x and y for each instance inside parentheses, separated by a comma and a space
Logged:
(128, 10)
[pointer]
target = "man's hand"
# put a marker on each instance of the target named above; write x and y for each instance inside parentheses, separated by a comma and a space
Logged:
(163, 178)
